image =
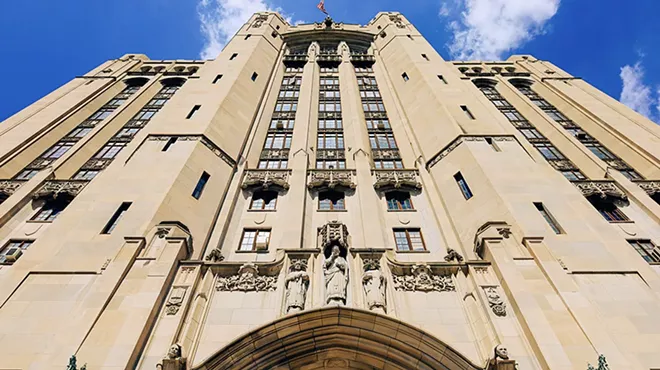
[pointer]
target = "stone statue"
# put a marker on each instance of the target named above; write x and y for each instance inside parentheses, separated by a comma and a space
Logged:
(336, 278)
(174, 359)
(501, 352)
(297, 282)
(374, 284)
(174, 352)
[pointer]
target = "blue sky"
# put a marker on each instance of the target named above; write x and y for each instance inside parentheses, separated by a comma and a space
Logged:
(614, 47)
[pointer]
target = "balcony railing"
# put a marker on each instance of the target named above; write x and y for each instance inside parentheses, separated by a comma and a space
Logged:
(603, 189)
(58, 188)
(386, 180)
(266, 179)
(331, 179)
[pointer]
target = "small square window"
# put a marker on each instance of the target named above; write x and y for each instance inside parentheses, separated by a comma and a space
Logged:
(425, 57)
(254, 240)
(247, 36)
(398, 201)
(646, 249)
(193, 111)
(201, 184)
(441, 78)
(254, 76)
(462, 184)
(405, 77)
(409, 240)
(233, 56)
(216, 79)
(114, 220)
(467, 112)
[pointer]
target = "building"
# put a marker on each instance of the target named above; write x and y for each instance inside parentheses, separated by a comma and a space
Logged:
(329, 196)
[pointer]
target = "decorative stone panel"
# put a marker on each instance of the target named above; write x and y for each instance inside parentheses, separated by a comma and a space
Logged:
(386, 154)
(396, 179)
(463, 138)
(266, 179)
(56, 188)
(295, 58)
(562, 165)
(358, 58)
(96, 164)
(324, 154)
(421, 278)
(330, 179)
(397, 20)
(652, 188)
(9, 187)
(333, 233)
(267, 154)
(605, 190)
(259, 20)
(495, 301)
(248, 279)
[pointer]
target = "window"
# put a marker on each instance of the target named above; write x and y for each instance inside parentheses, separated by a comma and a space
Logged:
(216, 79)
(549, 151)
(330, 141)
(50, 210)
(373, 107)
(127, 132)
(409, 240)
(193, 111)
(80, 132)
(86, 175)
(647, 250)
(631, 174)
(382, 141)
(27, 174)
(331, 201)
(548, 218)
(462, 184)
(370, 94)
(573, 175)
(531, 133)
(3, 197)
(13, 250)
(329, 107)
(600, 151)
(388, 165)
(254, 76)
(331, 165)
(114, 220)
(101, 114)
(169, 143)
(110, 150)
(492, 144)
(200, 185)
(467, 112)
(378, 124)
(254, 240)
(425, 57)
(281, 124)
(405, 76)
(398, 201)
(441, 78)
(264, 201)
(608, 210)
(278, 141)
(233, 56)
(273, 164)
(247, 36)
(57, 150)
(330, 124)
(286, 107)
(327, 81)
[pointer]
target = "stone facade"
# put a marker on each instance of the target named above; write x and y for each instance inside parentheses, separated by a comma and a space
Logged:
(329, 196)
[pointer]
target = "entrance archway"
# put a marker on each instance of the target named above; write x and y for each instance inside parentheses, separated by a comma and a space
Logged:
(337, 338)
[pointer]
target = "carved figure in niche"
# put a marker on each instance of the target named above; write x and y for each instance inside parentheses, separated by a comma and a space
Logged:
(501, 352)
(174, 359)
(297, 282)
(174, 352)
(495, 301)
(335, 270)
(374, 284)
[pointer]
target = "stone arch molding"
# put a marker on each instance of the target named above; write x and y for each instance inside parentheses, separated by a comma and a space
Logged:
(337, 337)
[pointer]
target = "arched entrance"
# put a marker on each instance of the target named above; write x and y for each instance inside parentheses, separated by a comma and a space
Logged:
(337, 338)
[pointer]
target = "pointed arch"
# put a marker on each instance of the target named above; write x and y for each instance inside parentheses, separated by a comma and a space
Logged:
(358, 338)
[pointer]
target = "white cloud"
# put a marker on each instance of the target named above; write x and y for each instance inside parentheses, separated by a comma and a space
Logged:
(486, 29)
(636, 94)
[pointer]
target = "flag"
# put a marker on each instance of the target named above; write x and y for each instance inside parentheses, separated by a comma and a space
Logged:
(321, 7)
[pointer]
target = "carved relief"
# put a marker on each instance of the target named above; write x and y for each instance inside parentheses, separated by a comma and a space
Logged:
(323, 154)
(9, 187)
(176, 300)
(605, 190)
(452, 255)
(207, 143)
(397, 20)
(386, 154)
(297, 283)
(602, 364)
(504, 231)
(259, 20)
(397, 179)
(266, 179)
(247, 280)
(495, 301)
(331, 179)
(274, 154)
(423, 280)
(650, 187)
(215, 256)
(374, 284)
(458, 141)
(334, 232)
(335, 271)
(54, 188)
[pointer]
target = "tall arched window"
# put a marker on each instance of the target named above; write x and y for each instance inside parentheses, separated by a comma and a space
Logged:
(331, 201)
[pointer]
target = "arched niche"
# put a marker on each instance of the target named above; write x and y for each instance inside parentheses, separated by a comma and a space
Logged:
(337, 337)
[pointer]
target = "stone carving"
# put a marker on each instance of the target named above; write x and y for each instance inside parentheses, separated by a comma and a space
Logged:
(333, 233)
(335, 271)
(650, 187)
(423, 280)
(458, 141)
(398, 21)
(73, 364)
(397, 179)
(274, 154)
(215, 256)
(207, 143)
(259, 20)
(297, 283)
(266, 179)
(501, 360)
(9, 187)
(501, 352)
(562, 165)
(247, 280)
(386, 154)
(504, 231)
(55, 188)
(605, 190)
(176, 299)
(174, 359)
(374, 284)
(602, 364)
(330, 154)
(452, 255)
(495, 301)
(321, 179)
